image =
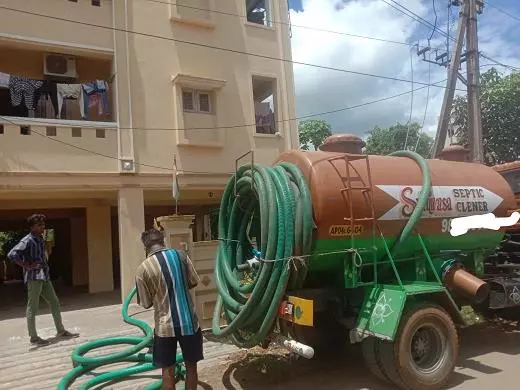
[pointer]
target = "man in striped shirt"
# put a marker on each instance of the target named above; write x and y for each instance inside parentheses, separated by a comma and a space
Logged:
(29, 254)
(163, 281)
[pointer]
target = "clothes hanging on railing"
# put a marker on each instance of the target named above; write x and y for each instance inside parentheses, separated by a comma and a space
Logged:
(48, 89)
(89, 96)
(70, 91)
(95, 95)
(24, 89)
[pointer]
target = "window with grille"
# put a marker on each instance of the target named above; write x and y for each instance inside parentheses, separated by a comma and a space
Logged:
(196, 101)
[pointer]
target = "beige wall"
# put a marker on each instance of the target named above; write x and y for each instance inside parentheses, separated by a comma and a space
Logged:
(147, 77)
(99, 239)
(52, 30)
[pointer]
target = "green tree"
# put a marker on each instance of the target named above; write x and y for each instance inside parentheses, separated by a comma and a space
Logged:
(387, 140)
(313, 132)
(499, 101)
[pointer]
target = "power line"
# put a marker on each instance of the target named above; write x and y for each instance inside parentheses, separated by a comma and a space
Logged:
(498, 62)
(503, 12)
(405, 11)
(329, 112)
(234, 51)
(284, 23)
(425, 106)
(170, 169)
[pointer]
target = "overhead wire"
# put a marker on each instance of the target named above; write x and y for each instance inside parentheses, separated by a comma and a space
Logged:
(7, 120)
(411, 105)
(206, 46)
(435, 22)
(412, 15)
(425, 85)
(290, 24)
(425, 106)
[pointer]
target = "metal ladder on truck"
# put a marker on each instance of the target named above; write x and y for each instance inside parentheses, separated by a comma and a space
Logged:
(356, 264)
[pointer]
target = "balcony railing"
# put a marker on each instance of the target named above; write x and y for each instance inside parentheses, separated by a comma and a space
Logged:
(57, 146)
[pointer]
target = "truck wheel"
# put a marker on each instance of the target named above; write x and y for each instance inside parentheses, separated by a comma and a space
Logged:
(370, 351)
(425, 351)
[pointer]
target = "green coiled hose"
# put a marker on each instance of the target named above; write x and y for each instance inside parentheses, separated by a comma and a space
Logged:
(273, 204)
(83, 364)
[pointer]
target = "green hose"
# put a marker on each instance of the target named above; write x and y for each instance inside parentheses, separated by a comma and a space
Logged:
(273, 204)
(83, 364)
(423, 196)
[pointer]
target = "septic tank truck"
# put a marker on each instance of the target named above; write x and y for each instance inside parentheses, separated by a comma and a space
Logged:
(324, 248)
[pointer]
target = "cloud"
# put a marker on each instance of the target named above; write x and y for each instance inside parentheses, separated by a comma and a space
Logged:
(320, 90)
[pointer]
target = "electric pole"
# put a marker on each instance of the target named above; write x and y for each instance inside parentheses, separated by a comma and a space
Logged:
(467, 28)
(449, 92)
(474, 112)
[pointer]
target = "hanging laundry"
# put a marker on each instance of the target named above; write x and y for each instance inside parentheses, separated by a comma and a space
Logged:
(70, 91)
(49, 89)
(95, 94)
(24, 89)
(4, 80)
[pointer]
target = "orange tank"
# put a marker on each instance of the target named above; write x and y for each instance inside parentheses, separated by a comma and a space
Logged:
(458, 189)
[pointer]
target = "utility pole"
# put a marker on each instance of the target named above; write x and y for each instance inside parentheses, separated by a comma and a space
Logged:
(467, 28)
(474, 112)
(453, 74)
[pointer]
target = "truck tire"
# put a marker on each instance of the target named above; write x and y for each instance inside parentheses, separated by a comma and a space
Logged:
(370, 351)
(425, 350)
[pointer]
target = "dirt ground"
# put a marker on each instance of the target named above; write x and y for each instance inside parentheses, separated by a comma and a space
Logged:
(490, 354)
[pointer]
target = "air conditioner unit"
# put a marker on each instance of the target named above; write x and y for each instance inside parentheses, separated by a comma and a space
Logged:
(59, 65)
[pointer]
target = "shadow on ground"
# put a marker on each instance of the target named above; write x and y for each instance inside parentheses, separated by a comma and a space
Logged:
(70, 300)
(346, 371)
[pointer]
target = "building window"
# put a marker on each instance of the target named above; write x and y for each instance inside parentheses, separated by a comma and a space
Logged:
(259, 12)
(196, 101)
(96, 3)
(204, 102)
(264, 98)
(100, 133)
(1, 129)
(25, 130)
(187, 101)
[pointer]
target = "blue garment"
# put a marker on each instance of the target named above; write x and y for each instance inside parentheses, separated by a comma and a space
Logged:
(163, 280)
(95, 87)
(31, 248)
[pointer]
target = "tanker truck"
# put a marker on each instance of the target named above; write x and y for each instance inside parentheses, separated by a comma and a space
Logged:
(333, 247)
(326, 248)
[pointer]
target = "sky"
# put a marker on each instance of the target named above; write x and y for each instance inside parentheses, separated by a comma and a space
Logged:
(320, 90)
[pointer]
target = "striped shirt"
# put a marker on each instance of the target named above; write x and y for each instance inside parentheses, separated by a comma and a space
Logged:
(163, 280)
(31, 249)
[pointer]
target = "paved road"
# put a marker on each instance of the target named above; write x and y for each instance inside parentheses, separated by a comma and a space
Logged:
(490, 356)
(24, 367)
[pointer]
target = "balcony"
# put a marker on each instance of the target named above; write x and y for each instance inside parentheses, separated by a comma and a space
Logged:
(57, 146)
(56, 124)
(36, 22)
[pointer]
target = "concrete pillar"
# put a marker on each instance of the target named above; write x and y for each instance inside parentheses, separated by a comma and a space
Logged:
(179, 235)
(131, 225)
(99, 242)
(122, 83)
(78, 237)
(177, 231)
